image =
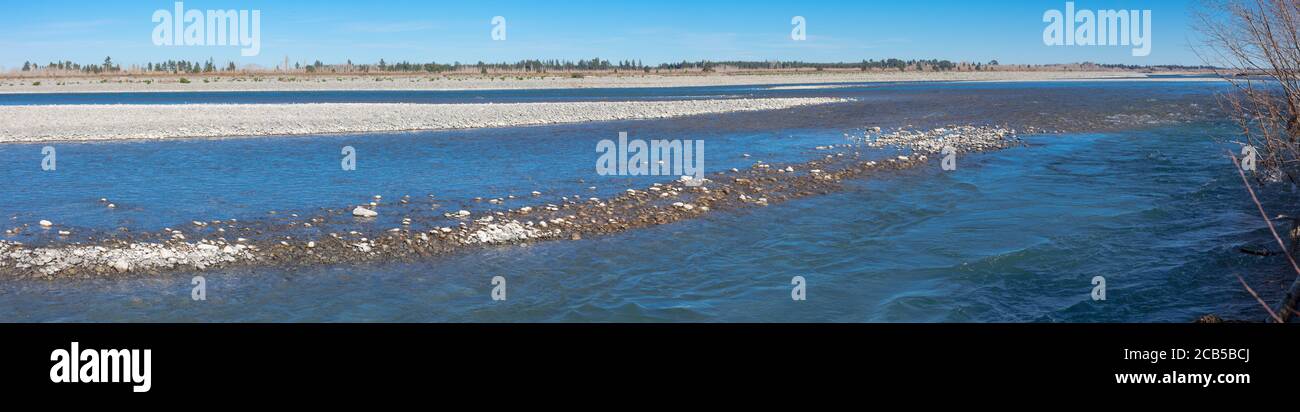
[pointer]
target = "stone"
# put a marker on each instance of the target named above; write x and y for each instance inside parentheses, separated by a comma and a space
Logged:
(363, 212)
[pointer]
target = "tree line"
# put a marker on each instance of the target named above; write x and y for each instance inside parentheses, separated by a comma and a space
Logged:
(169, 66)
(542, 66)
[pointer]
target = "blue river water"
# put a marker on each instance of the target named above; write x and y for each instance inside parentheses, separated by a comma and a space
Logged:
(1137, 190)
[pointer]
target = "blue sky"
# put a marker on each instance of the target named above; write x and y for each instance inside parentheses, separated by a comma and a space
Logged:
(653, 31)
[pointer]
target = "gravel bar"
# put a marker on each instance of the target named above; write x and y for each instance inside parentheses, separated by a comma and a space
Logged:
(32, 124)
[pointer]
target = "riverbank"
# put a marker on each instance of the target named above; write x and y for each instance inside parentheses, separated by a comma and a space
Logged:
(31, 124)
(322, 82)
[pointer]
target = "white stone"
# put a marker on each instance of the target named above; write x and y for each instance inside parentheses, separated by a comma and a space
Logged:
(363, 212)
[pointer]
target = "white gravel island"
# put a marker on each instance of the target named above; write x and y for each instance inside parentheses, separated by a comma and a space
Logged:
(31, 124)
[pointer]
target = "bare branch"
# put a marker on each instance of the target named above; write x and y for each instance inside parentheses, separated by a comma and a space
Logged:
(1261, 301)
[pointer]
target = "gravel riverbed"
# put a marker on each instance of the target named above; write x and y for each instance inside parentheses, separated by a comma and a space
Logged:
(204, 245)
(31, 124)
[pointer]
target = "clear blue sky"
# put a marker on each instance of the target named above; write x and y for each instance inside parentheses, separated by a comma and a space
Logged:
(653, 31)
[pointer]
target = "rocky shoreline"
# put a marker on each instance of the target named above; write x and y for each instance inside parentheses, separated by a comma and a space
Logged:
(219, 244)
(31, 124)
